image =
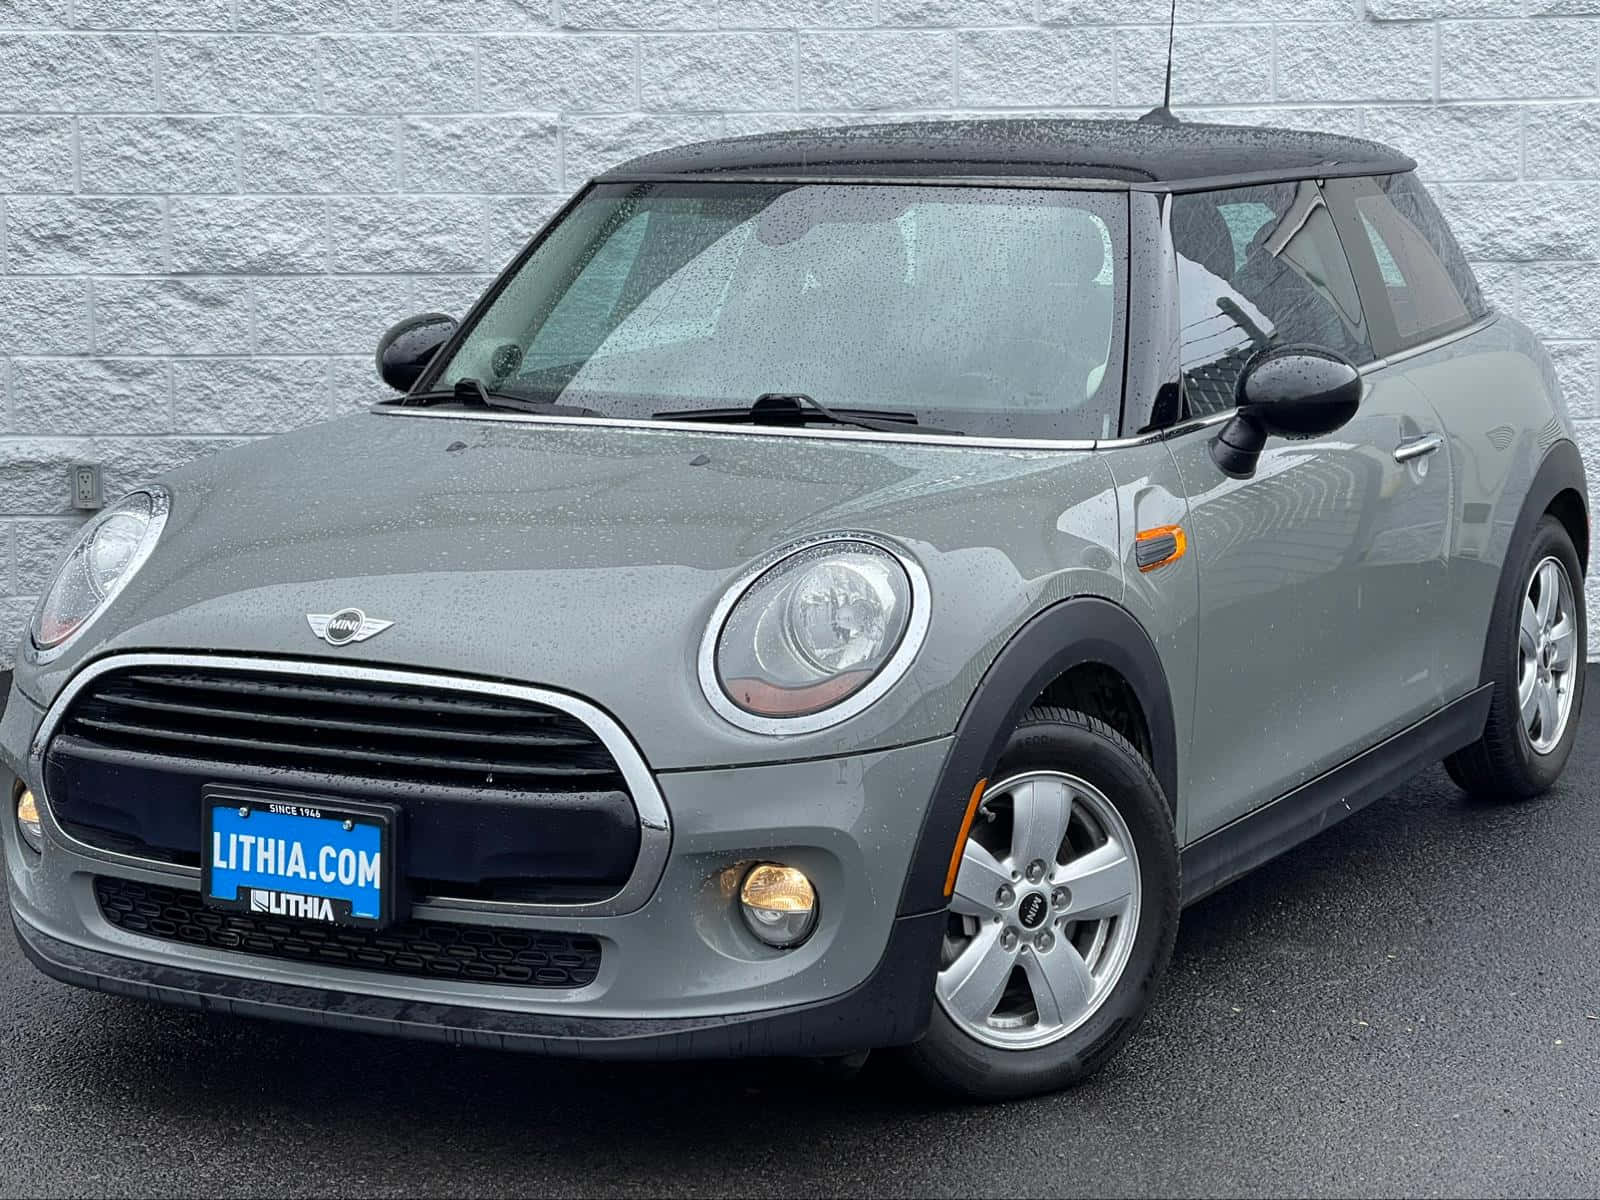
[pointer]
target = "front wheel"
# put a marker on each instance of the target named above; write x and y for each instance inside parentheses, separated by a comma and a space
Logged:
(1063, 917)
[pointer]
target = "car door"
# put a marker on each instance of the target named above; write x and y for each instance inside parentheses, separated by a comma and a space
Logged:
(1430, 322)
(1317, 574)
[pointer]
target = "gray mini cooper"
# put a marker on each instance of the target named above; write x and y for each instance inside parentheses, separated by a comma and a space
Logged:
(836, 590)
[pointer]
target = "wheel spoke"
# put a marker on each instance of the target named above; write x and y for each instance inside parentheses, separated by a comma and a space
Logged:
(1563, 644)
(1527, 701)
(1060, 982)
(1545, 698)
(1101, 882)
(1529, 629)
(1549, 594)
(1040, 811)
(972, 985)
(978, 881)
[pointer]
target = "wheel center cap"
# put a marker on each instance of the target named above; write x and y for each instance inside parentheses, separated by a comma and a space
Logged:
(1032, 911)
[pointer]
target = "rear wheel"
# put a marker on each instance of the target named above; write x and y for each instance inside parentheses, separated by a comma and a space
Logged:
(1537, 639)
(1063, 917)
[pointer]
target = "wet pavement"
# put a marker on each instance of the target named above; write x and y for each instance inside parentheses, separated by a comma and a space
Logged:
(1409, 1003)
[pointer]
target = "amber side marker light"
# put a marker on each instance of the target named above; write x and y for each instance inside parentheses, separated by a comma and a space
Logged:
(1155, 548)
(28, 821)
(961, 839)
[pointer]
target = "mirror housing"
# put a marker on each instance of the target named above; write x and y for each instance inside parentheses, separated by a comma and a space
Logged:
(1290, 392)
(405, 351)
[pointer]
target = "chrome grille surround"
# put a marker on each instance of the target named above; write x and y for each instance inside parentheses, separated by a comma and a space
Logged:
(655, 828)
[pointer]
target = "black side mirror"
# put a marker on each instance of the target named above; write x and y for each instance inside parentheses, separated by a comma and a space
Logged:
(1292, 392)
(407, 349)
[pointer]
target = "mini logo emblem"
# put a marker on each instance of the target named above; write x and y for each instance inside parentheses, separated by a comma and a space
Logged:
(346, 626)
(1032, 910)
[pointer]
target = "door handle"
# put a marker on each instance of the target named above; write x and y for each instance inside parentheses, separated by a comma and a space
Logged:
(1417, 448)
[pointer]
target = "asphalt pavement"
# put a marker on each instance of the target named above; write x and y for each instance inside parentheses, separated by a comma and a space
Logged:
(1410, 1003)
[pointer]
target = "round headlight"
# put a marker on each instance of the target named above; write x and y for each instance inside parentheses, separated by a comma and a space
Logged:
(814, 635)
(97, 565)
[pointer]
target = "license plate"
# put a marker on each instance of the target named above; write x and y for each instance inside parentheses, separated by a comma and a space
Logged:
(298, 858)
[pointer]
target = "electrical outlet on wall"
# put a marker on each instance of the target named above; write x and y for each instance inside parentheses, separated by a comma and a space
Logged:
(86, 492)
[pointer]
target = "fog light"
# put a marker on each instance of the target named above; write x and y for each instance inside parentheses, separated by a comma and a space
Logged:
(28, 821)
(779, 905)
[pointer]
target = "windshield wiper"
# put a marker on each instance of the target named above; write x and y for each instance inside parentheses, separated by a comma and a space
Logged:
(470, 393)
(796, 408)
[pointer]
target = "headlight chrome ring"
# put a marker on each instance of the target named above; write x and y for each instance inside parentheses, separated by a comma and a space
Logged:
(890, 673)
(82, 544)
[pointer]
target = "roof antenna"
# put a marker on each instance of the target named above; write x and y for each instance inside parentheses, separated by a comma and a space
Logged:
(1164, 115)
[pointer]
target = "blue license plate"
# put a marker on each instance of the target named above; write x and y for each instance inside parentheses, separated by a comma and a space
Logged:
(298, 859)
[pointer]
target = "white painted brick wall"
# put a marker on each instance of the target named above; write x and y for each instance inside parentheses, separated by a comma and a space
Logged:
(209, 209)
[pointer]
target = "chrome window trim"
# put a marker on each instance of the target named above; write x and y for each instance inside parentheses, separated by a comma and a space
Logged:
(1368, 368)
(394, 408)
(655, 824)
(1433, 343)
(888, 675)
(1166, 431)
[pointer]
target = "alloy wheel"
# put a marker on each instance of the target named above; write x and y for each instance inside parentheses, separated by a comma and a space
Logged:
(1547, 654)
(1045, 911)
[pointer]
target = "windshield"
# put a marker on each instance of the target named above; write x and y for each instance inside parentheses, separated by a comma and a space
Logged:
(994, 311)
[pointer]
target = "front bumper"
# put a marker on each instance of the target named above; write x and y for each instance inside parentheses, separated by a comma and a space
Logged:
(678, 976)
(890, 1008)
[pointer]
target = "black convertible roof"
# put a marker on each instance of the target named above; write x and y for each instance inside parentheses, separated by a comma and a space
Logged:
(1121, 153)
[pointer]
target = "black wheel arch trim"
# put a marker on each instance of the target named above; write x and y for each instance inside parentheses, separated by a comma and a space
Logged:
(1085, 629)
(1560, 471)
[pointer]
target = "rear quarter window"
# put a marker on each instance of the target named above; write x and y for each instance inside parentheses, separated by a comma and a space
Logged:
(1409, 266)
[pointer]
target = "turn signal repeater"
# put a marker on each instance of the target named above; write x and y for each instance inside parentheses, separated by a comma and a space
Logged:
(1154, 548)
(28, 821)
(779, 905)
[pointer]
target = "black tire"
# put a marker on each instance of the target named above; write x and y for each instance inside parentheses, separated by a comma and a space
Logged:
(1066, 740)
(1503, 765)
(1453, 769)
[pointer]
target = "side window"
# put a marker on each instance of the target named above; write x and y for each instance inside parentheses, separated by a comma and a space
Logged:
(1245, 219)
(1411, 269)
(1258, 267)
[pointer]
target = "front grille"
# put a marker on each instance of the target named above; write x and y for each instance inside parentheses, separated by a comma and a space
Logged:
(370, 731)
(421, 949)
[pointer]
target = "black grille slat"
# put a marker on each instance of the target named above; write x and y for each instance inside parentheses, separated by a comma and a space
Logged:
(366, 731)
(337, 692)
(212, 712)
(418, 949)
(223, 741)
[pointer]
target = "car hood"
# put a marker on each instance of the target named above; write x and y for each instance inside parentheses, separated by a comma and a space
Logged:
(587, 558)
